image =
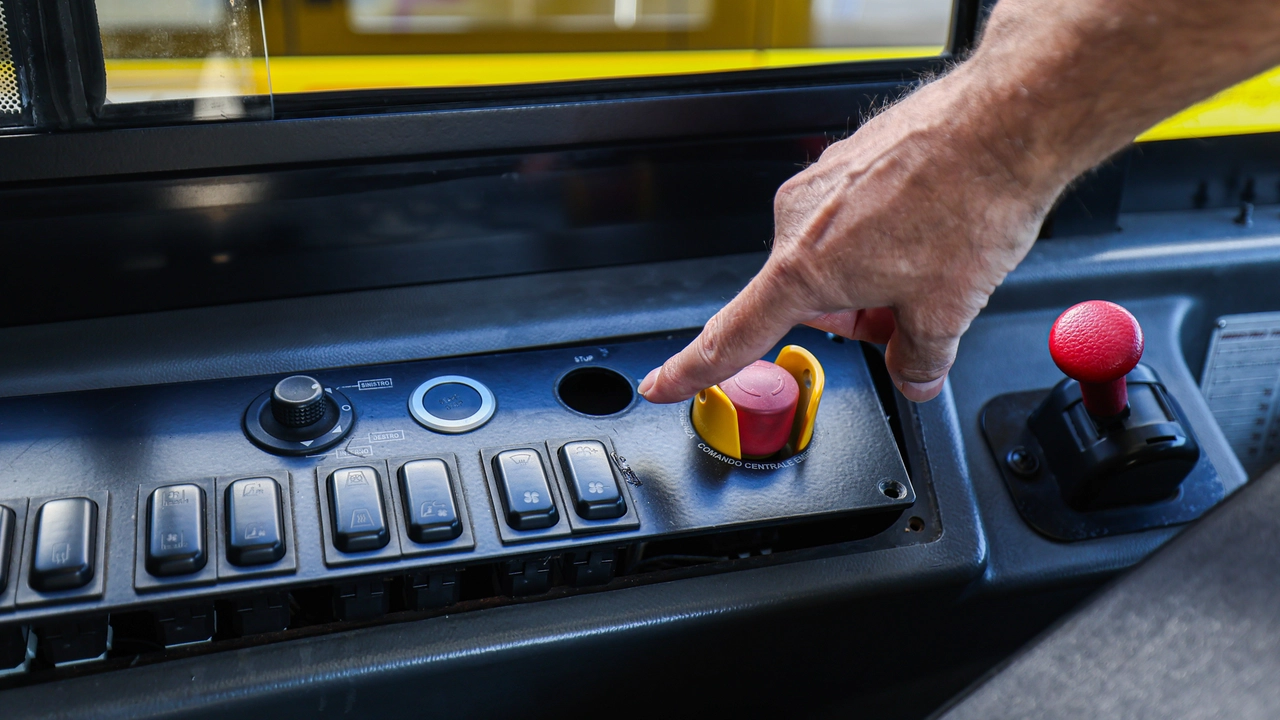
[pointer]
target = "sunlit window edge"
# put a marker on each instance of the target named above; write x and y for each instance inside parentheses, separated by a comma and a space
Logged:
(1248, 108)
(299, 74)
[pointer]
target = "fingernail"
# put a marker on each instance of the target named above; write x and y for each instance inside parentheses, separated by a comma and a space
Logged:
(921, 392)
(647, 383)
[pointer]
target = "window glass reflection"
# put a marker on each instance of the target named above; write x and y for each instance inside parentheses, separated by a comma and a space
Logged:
(216, 51)
(211, 51)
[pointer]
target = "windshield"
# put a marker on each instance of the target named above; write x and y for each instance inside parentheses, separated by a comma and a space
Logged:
(215, 48)
(229, 57)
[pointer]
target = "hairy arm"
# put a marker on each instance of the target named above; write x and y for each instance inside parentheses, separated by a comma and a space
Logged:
(900, 233)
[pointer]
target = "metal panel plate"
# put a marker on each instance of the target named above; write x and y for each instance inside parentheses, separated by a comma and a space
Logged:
(1240, 383)
(118, 439)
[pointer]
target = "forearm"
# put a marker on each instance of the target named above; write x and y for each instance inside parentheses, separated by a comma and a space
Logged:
(1059, 86)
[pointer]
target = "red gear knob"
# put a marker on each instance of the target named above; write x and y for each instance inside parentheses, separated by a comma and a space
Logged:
(765, 397)
(1097, 343)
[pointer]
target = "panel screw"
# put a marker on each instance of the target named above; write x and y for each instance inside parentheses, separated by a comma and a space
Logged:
(1022, 462)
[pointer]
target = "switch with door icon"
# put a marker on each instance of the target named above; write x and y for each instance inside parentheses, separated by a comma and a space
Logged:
(255, 522)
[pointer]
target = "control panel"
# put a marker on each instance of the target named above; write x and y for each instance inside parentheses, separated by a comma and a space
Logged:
(381, 487)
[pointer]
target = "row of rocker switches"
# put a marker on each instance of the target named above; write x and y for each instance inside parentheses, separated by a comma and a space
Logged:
(176, 543)
(176, 532)
(176, 539)
(526, 492)
(176, 515)
(354, 500)
(356, 503)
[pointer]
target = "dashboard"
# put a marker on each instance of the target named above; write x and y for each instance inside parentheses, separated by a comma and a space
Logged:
(336, 414)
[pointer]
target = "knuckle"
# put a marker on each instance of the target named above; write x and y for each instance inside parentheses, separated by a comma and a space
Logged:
(708, 350)
(700, 359)
(788, 189)
(789, 271)
(675, 371)
(938, 325)
(929, 361)
(782, 198)
(924, 373)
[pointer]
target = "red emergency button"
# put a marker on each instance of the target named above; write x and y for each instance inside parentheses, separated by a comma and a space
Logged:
(765, 397)
(1097, 343)
(768, 408)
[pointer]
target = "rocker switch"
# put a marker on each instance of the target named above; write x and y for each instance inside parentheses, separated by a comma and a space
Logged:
(429, 509)
(255, 522)
(176, 531)
(7, 521)
(66, 536)
(526, 495)
(591, 481)
(355, 507)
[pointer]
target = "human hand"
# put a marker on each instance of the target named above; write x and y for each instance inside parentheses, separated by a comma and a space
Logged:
(898, 235)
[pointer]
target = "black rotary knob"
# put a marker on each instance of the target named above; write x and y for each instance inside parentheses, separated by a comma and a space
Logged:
(299, 416)
(298, 401)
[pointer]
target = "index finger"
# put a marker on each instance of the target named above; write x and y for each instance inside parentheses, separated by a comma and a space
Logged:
(743, 331)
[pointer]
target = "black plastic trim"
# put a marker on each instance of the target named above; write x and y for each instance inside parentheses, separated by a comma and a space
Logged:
(197, 149)
(74, 75)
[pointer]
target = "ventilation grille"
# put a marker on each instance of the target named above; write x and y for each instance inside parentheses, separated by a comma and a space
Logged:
(10, 96)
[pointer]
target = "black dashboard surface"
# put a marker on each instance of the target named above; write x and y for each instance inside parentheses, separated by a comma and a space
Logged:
(117, 440)
(984, 554)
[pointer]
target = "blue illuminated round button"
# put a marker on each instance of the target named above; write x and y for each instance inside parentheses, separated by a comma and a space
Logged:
(452, 404)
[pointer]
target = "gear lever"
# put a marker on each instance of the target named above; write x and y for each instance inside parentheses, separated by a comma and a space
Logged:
(1097, 343)
(1106, 450)
(1111, 434)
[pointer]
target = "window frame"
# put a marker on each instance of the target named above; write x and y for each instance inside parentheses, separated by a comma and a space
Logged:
(420, 122)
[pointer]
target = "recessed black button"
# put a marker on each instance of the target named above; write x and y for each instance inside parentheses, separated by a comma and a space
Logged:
(452, 401)
(255, 523)
(526, 496)
(596, 495)
(176, 530)
(66, 536)
(429, 509)
(355, 510)
(7, 522)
